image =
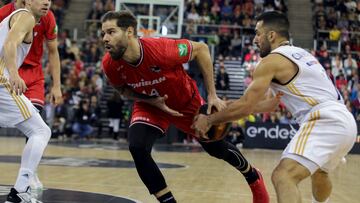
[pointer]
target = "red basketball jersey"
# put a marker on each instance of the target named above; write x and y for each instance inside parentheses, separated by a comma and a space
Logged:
(159, 71)
(45, 29)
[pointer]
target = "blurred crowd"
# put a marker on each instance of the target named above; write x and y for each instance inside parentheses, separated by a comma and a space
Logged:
(230, 23)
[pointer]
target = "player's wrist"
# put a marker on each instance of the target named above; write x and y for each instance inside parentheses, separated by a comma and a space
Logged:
(209, 120)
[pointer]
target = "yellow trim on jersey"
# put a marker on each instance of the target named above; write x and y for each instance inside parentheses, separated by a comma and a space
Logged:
(311, 101)
(305, 133)
(24, 110)
(2, 67)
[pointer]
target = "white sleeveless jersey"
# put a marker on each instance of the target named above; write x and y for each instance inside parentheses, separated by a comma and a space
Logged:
(310, 87)
(22, 50)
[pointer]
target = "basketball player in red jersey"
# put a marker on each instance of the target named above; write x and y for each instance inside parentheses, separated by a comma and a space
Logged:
(31, 70)
(150, 71)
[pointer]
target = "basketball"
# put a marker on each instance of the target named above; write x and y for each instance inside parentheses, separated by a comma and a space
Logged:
(216, 132)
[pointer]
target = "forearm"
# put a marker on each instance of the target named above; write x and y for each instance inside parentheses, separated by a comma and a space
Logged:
(265, 106)
(10, 51)
(132, 95)
(54, 61)
(234, 111)
(204, 62)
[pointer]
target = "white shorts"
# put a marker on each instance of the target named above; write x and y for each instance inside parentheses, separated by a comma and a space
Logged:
(13, 108)
(327, 134)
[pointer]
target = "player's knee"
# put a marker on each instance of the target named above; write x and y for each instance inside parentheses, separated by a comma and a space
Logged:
(319, 176)
(47, 133)
(216, 152)
(138, 151)
(43, 133)
(283, 174)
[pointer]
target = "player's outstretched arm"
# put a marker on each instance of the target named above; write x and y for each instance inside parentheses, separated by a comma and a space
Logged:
(156, 101)
(21, 24)
(201, 54)
(244, 106)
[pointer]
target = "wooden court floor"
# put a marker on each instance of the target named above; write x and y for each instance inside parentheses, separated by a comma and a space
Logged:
(203, 179)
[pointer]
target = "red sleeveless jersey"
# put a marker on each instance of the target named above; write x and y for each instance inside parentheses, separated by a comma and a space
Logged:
(159, 71)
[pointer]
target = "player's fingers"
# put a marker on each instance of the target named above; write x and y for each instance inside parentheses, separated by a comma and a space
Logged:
(208, 111)
(203, 135)
(173, 112)
(195, 118)
(165, 97)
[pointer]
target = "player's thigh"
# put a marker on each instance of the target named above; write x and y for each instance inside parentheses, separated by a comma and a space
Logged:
(290, 169)
(13, 108)
(325, 138)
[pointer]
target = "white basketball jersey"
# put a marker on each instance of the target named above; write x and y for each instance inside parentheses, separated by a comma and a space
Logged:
(310, 87)
(22, 50)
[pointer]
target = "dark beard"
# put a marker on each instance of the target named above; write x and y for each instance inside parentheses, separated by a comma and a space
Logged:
(265, 50)
(116, 55)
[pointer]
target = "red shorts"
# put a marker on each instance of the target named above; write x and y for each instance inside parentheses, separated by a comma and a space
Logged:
(34, 80)
(150, 115)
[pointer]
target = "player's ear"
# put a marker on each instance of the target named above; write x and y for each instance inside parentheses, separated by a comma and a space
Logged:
(271, 36)
(130, 31)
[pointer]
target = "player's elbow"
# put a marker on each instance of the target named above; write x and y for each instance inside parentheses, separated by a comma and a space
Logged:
(199, 48)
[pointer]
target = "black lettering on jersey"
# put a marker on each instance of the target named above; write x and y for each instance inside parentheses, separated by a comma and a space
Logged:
(155, 69)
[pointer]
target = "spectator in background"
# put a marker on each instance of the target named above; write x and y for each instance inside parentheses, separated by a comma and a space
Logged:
(341, 82)
(82, 126)
(335, 33)
(114, 107)
(349, 65)
(222, 79)
(193, 16)
(95, 118)
(236, 134)
(287, 118)
(336, 65)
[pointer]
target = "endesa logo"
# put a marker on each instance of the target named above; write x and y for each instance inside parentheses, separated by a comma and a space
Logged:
(275, 132)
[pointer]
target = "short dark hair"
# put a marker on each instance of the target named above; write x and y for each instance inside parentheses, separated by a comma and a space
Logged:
(124, 19)
(276, 21)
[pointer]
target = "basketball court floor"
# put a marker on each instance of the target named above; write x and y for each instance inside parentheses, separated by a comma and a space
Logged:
(103, 172)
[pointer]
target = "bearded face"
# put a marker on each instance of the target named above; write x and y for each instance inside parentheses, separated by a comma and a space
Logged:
(115, 39)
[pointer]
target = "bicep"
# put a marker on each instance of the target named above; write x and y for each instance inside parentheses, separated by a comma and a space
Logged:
(21, 26)
(197, 47)
(259, 87)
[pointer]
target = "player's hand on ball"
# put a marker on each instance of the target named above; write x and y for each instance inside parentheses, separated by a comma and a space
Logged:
(159, 102)
(17, 83)
(201, 126)
(215, 102)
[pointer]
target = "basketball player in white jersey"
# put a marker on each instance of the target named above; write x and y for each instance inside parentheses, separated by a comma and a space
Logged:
(327, 129)
(16, 35)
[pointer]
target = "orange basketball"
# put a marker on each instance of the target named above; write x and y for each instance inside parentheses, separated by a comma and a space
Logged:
(216, 132)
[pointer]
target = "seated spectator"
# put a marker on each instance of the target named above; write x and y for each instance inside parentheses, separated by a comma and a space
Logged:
(236, 134)
(95, 118)
(222, 79)
(341, 82)
(82, 126)
(336, 65)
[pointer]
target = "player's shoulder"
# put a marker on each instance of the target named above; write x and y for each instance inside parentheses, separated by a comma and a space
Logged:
(156, 41)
